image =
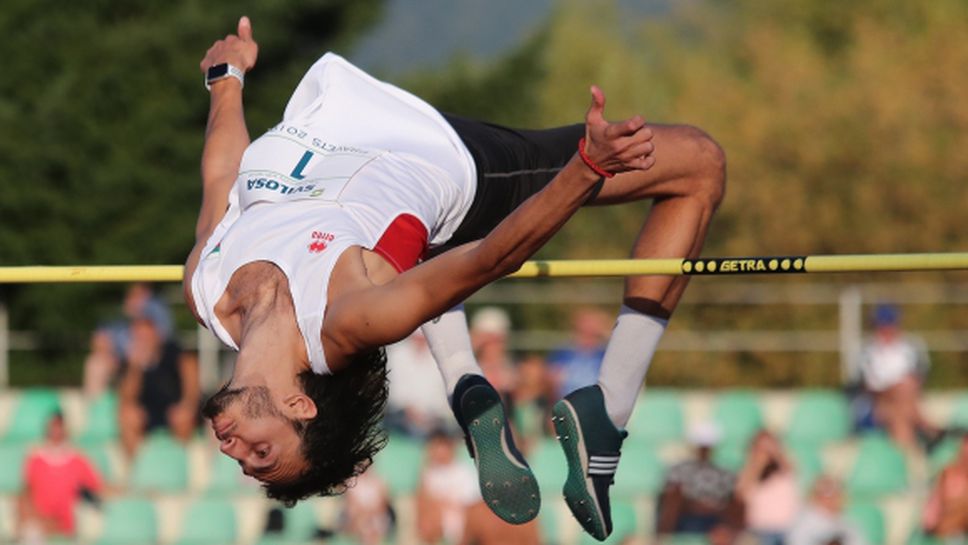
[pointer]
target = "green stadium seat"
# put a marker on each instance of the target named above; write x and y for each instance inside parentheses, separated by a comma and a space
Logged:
(399, 463)
(102, 419)
(97, 453)
(301, 522)
(34, 408)
(730, 455)
(879, 468)
(129, 521)
(684, 539)
(657, 418)
(340, 539)
(640, 472)
(208, 522)
(919, 538)
(820, 416)
(959, 413)
(943, 454)
(549, 521)
(226, 479)
(738, 415)
(868, 518)
(161, 465)
(299, 526)
(550, 468)
(807, 462)
(623, 525)
(11, 468)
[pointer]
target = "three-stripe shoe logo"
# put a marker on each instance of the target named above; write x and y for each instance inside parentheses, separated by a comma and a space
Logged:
(602, 465)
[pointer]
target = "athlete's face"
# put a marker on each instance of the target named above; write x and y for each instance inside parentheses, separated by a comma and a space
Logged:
(254, 432)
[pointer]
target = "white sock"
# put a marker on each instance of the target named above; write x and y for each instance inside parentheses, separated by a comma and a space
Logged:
(626, 361)
(450, 343)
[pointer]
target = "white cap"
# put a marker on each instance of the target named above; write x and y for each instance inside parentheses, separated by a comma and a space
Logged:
(704, 434)
(491, 320)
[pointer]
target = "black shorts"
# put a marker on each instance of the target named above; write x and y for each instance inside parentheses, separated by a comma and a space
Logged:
(512, 165)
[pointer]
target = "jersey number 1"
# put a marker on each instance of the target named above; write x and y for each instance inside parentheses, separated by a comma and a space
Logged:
(297, 172)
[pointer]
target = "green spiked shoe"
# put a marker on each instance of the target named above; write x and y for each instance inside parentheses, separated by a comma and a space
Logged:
(592, 446)
(507, 484)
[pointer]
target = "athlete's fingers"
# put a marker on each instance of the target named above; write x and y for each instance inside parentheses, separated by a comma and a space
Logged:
(642, 149)
(596, 111)
(245, 29)
(625, 128)
(641, 163)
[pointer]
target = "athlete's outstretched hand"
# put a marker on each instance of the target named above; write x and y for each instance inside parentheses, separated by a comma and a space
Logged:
(238, 50)
(616, 147)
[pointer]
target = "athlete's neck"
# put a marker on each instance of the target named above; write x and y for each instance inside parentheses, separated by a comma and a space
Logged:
(271, 348)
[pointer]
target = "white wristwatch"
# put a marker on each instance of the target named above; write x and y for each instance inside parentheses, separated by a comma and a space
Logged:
(221, 71)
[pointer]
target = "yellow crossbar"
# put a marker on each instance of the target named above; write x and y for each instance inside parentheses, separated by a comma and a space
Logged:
(561, 268)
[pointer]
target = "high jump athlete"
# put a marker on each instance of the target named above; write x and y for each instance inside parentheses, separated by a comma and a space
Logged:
(365, 213)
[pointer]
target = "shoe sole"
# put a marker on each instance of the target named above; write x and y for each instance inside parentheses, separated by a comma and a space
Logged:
(509, 488)
(578, 489)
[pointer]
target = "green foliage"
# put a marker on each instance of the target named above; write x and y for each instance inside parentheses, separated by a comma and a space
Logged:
(103, 111)
(843, 123)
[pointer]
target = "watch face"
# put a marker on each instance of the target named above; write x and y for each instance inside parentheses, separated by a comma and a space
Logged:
(217, 71)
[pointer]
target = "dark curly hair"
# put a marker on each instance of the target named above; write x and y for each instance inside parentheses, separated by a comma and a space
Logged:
(340, 442)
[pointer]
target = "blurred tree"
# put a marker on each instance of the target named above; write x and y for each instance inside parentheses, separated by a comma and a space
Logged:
(103, 110)
(844, 126)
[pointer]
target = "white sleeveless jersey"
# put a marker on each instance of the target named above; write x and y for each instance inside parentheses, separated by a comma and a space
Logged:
(354, 162)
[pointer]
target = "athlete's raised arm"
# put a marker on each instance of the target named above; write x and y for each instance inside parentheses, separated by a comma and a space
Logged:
(226, 136)
(378, 315)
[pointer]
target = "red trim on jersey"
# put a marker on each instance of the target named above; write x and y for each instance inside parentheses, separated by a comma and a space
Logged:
(403, 243)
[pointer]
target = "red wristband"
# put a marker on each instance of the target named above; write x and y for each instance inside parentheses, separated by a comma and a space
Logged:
(591, 164)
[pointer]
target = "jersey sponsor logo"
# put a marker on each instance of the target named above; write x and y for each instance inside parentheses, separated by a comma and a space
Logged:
(320, 241)
(268, 184)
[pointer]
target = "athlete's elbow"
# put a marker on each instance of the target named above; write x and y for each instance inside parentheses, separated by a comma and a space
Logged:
(490, 266)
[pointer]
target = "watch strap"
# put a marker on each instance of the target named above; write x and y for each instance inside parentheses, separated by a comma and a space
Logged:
(221, 71)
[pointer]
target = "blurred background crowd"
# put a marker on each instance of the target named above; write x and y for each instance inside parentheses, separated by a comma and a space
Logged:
(124, 458)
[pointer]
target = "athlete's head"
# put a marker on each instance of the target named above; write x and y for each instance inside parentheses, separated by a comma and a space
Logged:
(299, 451)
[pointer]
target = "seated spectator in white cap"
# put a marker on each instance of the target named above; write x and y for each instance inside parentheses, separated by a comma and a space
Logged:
(698, 496)
(893, 365)
(490, 327)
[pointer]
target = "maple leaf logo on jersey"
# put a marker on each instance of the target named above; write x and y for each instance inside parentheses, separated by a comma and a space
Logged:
(320, 242)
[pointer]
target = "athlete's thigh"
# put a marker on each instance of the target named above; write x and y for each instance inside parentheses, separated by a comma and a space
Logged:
(679, 152)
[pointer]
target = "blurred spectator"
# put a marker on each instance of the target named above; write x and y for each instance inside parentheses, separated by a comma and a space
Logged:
(110, 342)
(946, 511)
(490, 327)
(417, 403)
(892, 365)
(576, 365)
(767, 486)
(447, 487)
(483, 527)
(56, 475)
(531, 400)
(159, 387)
(367, 515)
(822, 522)
(698, 495)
